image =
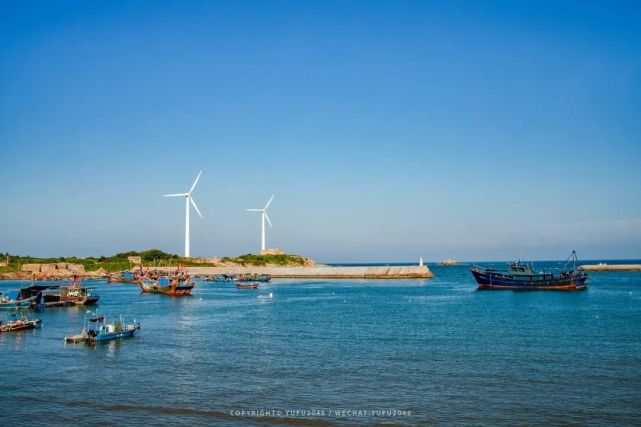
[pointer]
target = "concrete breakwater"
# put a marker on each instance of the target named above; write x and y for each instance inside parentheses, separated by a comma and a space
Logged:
(320, 272)
(612, 267)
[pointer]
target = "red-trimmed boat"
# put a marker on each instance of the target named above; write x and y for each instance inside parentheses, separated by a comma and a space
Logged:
(21, 324)
(124, 277)
(249, 286)
(177, 284)
(521, 276)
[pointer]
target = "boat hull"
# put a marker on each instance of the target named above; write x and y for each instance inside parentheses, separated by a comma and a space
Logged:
(171, 290)
(111, 279)
(20, 325)
(18, 305)
(491, 281)
(114, 335)
(253, 286)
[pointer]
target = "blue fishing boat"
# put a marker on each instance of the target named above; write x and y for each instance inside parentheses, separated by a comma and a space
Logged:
(125, 277)
(521, 276)
(106, 331)
(98, 329)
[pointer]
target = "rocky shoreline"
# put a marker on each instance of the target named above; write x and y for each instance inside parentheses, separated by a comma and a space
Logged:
(319, 272)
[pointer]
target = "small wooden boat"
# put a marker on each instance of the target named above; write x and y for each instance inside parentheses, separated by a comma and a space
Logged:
(76, 339)
(249, 286)
(20, 324)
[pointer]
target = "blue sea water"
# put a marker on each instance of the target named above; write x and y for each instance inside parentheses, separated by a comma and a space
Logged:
(322, 352)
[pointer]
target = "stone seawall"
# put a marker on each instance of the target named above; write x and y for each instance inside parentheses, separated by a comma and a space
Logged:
(613, 267)
(320, 272)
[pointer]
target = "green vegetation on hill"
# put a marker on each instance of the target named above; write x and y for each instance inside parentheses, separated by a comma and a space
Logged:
(117, 262)
(251, 259)
(149, 258)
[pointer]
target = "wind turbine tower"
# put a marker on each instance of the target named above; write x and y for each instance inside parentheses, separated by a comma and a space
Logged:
(188, 200)
(263, 215)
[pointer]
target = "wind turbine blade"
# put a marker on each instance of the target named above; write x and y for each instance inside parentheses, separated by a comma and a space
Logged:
(254, 210)
(175, 195)
(270, 200)
(195, 182)
(270, 223)
(195, 207)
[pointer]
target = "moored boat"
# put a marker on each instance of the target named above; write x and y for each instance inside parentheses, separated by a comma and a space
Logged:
(125, 277)
(106, 331)
(177, 284)
(16, 300)
(21, 324)
(521, 276)
(248, 286)
(74, 294)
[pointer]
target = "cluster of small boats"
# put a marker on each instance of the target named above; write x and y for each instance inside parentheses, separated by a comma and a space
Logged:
(39, 297)
(238, 278)
(177, 283)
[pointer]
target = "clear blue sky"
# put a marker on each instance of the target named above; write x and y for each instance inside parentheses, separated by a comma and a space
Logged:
(387, 129)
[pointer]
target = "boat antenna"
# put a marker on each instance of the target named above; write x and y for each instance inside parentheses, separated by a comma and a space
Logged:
(574, 259)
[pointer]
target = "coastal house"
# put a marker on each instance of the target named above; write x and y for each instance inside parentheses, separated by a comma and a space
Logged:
(272, 251)
(134, 259)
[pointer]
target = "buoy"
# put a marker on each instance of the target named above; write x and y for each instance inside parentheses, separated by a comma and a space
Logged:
(271, 295)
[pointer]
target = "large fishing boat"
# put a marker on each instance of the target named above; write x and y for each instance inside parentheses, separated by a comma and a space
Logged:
(124, 277)
(74, 294)
(521, 275)
(177, 284)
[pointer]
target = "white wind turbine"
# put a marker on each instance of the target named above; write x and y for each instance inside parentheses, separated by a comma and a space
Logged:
(264, 217)
(188, 199)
